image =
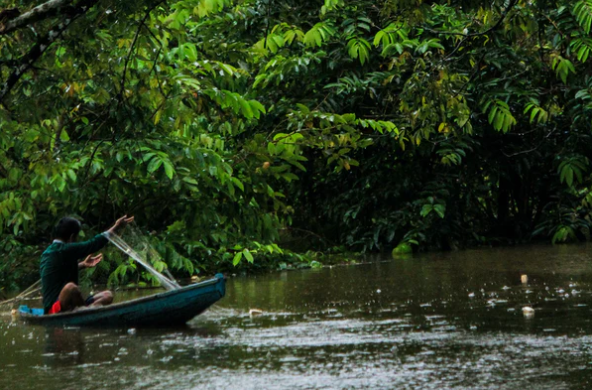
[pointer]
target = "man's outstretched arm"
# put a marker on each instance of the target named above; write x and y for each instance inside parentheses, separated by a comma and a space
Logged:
(78, 250)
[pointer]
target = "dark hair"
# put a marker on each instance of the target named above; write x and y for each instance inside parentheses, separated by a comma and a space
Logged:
(66, 228)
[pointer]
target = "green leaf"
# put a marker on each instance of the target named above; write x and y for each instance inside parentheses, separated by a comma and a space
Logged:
(154, 164)
(359, 48)
(331, 5)
(237, 258)
(562, 67)
(583, 13)
(318, 34)
(64, 137)
(499, 115)
(246, 108)
(248, 255)
(190, 180)
(379, 37)
(168, 169)
(271, 149)
(72, 175)
(426, 210)
(257, 107)
(582, 46)
(238, 183)
(440, 210)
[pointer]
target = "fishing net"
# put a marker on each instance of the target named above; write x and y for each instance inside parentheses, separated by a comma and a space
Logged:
(132, 258)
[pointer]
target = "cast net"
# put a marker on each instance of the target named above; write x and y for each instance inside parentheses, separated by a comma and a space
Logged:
(138, 247)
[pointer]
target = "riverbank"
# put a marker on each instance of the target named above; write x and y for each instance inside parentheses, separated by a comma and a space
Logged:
(18, 274)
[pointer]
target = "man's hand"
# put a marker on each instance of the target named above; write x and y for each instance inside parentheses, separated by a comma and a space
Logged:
(121, 223)
(90, 261)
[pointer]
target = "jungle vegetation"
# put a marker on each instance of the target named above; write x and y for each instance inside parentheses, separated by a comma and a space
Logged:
(246, 133)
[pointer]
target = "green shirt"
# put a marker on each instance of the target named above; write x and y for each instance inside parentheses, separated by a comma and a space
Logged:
(59, 266)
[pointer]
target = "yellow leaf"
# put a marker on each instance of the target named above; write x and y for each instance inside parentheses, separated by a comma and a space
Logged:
(157, 116)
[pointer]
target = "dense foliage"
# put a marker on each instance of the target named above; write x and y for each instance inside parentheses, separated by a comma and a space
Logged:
(231, 128)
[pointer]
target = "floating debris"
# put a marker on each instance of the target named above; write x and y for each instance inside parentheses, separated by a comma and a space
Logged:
(255, 312)
(378, 291)
(524, 279)
(528, 311)
(131, 331)
(505, 288)
(472, 295)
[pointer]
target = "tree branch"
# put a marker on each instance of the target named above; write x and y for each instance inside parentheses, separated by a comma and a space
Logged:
(34, 54)
(42, 44)
(43, 11)
(131, 49)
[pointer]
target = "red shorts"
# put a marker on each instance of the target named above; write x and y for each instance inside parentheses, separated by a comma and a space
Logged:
(56, 308)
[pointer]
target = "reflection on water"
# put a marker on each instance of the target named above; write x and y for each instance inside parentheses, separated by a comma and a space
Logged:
(436, 321)
(68, 344)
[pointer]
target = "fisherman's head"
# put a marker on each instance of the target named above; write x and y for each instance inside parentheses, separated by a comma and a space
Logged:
(67, 229)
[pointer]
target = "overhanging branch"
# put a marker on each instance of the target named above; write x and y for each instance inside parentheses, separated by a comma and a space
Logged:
(131, 49)
(43, 43)
(38, 13)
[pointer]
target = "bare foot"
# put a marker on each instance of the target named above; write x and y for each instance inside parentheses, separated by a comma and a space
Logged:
(80, 308)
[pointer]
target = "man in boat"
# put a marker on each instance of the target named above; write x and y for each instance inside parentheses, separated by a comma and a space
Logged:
(60, 265)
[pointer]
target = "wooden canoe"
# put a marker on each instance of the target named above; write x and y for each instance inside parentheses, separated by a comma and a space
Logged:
(169, 308)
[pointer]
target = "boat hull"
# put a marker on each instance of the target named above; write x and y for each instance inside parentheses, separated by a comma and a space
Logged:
(169, 308)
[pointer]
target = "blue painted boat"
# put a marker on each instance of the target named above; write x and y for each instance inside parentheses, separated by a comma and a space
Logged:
(169, 308)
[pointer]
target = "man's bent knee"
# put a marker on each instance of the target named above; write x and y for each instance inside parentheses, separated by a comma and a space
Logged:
(108, 297)
(70, 297)
(71, 287)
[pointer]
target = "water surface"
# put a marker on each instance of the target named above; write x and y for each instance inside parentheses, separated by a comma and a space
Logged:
(435, 321)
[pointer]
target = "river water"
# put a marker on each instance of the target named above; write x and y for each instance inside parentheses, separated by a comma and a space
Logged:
(434, 321)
